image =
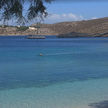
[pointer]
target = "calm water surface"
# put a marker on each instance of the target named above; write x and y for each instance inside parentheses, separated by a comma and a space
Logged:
(71, 73)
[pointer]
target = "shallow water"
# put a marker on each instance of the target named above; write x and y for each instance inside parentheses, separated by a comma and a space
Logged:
(72, 73)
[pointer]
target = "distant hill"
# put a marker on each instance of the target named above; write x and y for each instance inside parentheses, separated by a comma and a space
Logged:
(95, 27)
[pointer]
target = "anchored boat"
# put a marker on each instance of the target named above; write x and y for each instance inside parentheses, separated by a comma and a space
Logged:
(36, 37)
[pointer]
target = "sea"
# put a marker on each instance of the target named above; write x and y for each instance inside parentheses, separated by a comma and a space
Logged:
(71, 73)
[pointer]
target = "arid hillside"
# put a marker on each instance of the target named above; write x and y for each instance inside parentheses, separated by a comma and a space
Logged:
(96, 27)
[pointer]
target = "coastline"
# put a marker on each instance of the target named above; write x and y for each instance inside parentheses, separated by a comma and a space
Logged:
(57, 36)
(84, 28)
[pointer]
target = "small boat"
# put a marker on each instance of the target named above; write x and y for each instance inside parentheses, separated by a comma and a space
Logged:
(36, 37)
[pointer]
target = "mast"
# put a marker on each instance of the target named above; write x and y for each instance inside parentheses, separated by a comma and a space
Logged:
(38, 26)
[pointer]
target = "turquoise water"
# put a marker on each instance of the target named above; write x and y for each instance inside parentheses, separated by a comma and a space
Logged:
(72, 73)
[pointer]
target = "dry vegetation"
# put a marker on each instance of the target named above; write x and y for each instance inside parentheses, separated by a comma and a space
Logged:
(96, 27)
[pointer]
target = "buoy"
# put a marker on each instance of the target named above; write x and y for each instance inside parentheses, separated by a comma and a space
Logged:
(41, 54)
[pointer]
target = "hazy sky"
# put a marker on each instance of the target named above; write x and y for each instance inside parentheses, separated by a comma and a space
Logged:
(72, 11)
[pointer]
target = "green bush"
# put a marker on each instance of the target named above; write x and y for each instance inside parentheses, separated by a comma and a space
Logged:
(22, 28)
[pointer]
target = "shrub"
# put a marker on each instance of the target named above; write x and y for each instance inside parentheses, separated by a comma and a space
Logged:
(22, 28)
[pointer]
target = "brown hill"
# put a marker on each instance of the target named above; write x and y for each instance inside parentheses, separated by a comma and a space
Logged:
(96, 27)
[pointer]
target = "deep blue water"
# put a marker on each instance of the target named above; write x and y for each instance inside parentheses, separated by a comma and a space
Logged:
(72, 73)
(63, 60)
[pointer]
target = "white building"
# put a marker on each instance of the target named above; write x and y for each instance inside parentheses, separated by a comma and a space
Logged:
(32, 28)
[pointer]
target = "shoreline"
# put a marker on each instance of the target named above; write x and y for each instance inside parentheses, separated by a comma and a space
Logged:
(66, 37)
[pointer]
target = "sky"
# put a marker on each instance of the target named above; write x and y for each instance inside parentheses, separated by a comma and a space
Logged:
(75, 11)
